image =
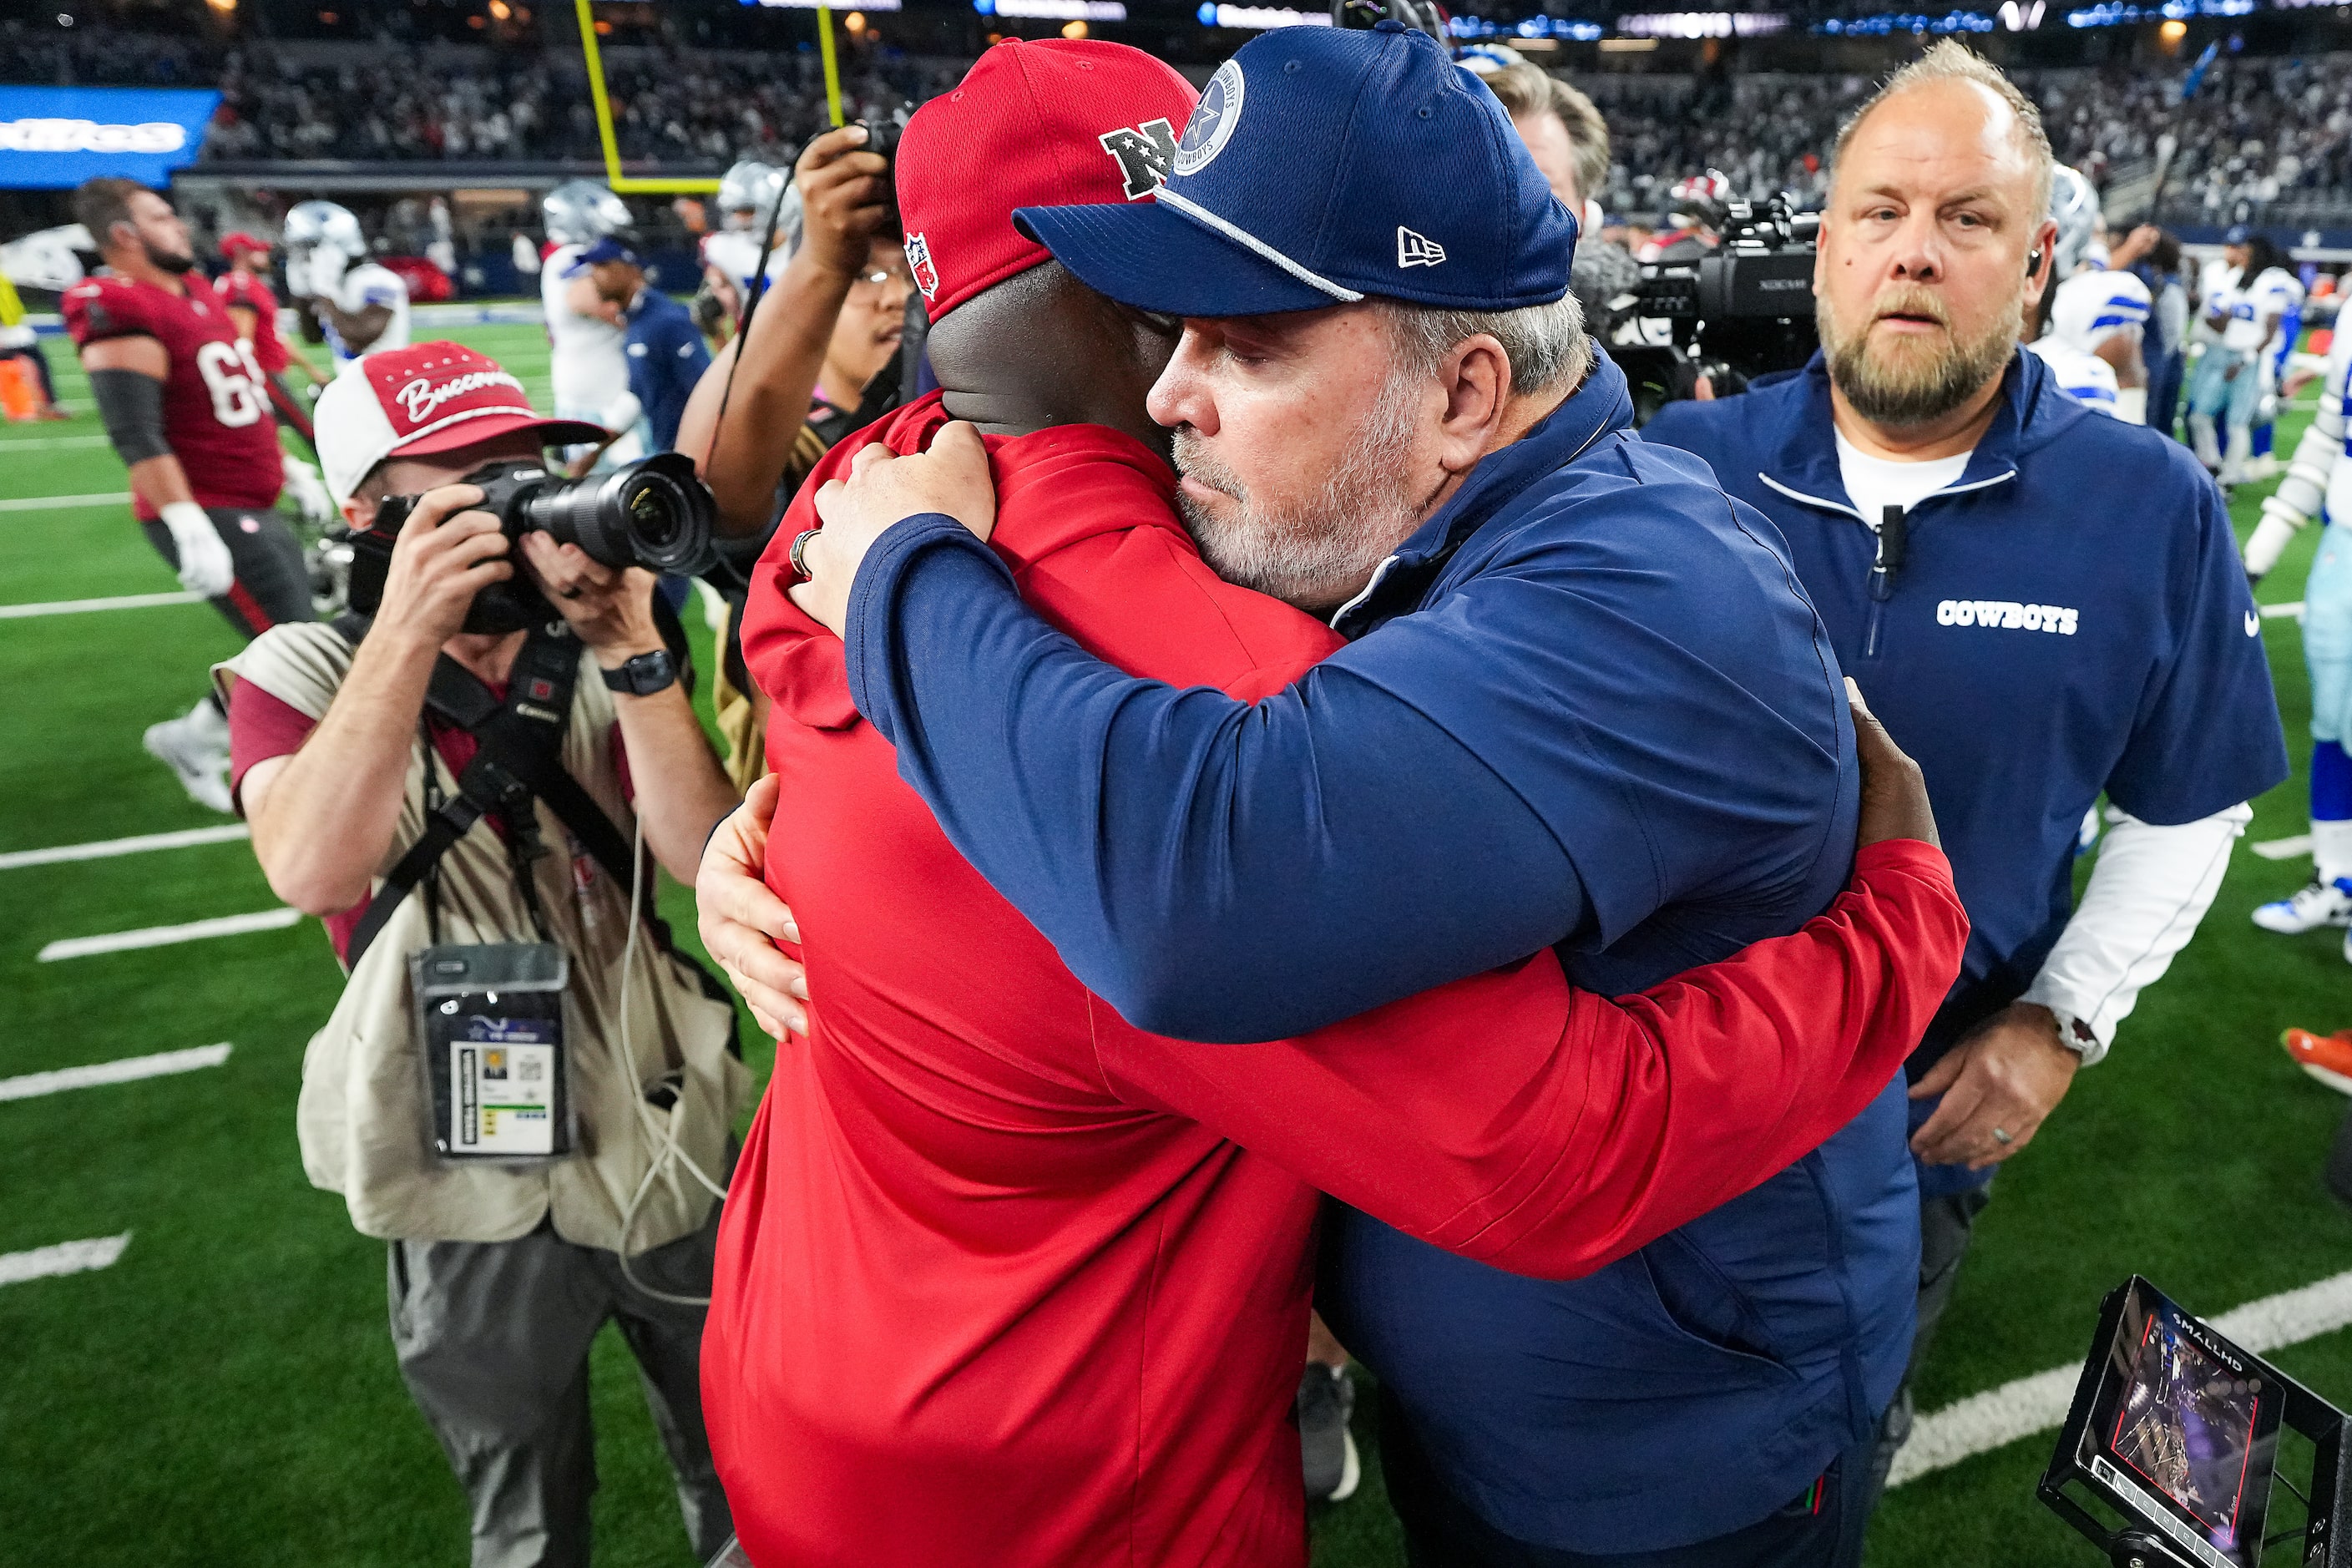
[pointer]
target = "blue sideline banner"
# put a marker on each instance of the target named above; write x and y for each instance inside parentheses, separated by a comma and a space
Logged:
(54, 138)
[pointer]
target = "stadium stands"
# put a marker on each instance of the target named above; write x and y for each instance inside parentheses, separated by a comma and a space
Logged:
(2267, 138)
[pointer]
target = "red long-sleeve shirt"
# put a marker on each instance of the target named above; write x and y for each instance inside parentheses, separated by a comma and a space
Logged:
(1004, 1279)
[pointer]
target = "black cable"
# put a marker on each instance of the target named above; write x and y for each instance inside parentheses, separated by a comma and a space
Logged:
(754, 291)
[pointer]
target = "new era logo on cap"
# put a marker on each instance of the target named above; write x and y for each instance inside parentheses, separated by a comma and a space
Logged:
(1417, 249)
(419, 401)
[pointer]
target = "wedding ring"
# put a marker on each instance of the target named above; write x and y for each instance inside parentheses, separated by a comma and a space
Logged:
(2001, 1135)
(798, 555)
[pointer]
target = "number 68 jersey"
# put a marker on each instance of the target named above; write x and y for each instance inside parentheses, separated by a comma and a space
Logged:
(215, 404)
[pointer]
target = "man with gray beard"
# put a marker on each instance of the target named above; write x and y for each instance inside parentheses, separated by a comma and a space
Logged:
(2044, 604)
(1584, 705)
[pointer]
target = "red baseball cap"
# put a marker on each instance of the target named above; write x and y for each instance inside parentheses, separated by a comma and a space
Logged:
(232, 245)
(417, 400)
(1055, 122)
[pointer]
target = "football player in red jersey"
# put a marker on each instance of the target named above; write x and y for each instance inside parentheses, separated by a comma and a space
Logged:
(188, 411)
(252, 305)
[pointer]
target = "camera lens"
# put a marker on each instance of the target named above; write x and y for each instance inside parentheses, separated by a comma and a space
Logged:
(654, 513)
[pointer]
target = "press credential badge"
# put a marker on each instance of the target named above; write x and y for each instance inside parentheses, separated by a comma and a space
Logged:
(502, 1085)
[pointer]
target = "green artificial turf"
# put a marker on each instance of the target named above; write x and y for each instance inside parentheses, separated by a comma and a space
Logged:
(225, 1392)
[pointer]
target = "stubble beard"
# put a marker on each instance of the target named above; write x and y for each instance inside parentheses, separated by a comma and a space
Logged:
(167, 260)
(1313, 554)
(1913, 382)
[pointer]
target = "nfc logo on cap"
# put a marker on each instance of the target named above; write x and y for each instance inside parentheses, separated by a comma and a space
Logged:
(1212, 121)
(1143, 155)
(1418, 249)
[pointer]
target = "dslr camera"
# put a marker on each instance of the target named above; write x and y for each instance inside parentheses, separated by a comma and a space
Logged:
(1741, 309)
(655, 512)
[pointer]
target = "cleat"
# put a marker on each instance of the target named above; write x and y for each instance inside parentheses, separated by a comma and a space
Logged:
(2314, 905)
(2326, 1057)
(1325, 1400)
(200, 765)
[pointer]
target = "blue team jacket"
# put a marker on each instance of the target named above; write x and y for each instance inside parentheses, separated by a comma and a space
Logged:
(1587, 704)
(666, 357)
(2072, 617)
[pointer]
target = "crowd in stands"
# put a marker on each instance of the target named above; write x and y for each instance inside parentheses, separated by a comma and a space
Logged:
(2261, 134)
(681, 105)
(2264, 135)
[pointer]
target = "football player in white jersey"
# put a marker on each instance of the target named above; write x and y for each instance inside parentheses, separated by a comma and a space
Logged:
(2092, 339)
(590, 361)
(2319, 481)
(748, 194)
(2246, 314)
(361, 306)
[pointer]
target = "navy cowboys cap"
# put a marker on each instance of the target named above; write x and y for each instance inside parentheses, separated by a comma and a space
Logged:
(1321, 166)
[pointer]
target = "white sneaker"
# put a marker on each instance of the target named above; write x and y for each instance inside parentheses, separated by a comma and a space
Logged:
(2315, 904)
(201, 767)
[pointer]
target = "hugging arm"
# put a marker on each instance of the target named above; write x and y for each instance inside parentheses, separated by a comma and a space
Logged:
(1216, 869)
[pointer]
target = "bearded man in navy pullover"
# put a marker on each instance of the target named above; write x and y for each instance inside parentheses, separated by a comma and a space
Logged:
(2046, 605)
(1585, 705)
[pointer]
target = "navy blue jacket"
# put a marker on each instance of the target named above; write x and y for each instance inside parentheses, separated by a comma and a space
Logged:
(2072, 618)
(1587, 705)
(666, 357)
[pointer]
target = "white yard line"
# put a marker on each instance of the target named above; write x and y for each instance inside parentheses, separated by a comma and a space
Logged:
(2291, 610)
(163, 936)
(65, 1258)
(32, 1085)
(66, 503)
(38, 443)
(107, 848)
(2017, 1410)
(2284, 848)
(76, 607)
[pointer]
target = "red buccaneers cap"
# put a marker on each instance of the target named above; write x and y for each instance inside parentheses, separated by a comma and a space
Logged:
(1056, 122)
(417, 400)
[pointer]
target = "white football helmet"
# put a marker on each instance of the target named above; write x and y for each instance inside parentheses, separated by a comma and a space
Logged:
(746, 195)
(2074, 208)
(582, 212)
(324, 222)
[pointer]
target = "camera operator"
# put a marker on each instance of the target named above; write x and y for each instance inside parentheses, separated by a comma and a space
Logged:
(346, 755)
(2045, 603)
(821, 346)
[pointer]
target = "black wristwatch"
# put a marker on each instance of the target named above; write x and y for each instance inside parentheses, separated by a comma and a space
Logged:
(644, 675)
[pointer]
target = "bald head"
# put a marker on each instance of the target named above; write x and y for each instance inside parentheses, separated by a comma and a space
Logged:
(1983, 105)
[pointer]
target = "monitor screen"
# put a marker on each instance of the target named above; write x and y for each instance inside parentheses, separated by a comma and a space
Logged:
(2187, 1426)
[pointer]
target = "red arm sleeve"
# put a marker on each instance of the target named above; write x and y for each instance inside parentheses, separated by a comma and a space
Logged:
(1517, 1121)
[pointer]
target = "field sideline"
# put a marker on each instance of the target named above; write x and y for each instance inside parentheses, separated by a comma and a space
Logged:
(222, 1390)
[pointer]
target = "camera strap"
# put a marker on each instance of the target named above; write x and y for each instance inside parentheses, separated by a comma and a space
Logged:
(519, 758)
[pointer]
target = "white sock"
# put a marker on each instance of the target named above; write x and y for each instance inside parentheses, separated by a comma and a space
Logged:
(2200, 436)
(2331, 849)
(2242, 446)
(206, 723)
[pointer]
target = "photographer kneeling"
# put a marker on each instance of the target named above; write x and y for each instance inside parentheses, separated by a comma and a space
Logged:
(494, 711)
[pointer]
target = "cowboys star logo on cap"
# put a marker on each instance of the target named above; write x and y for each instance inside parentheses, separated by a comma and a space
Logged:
(1212, 121)
(918, 262)
(1144, 154)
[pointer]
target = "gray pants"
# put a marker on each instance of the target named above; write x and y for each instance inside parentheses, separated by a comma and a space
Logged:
(493, 1342)
(1947, 1225)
